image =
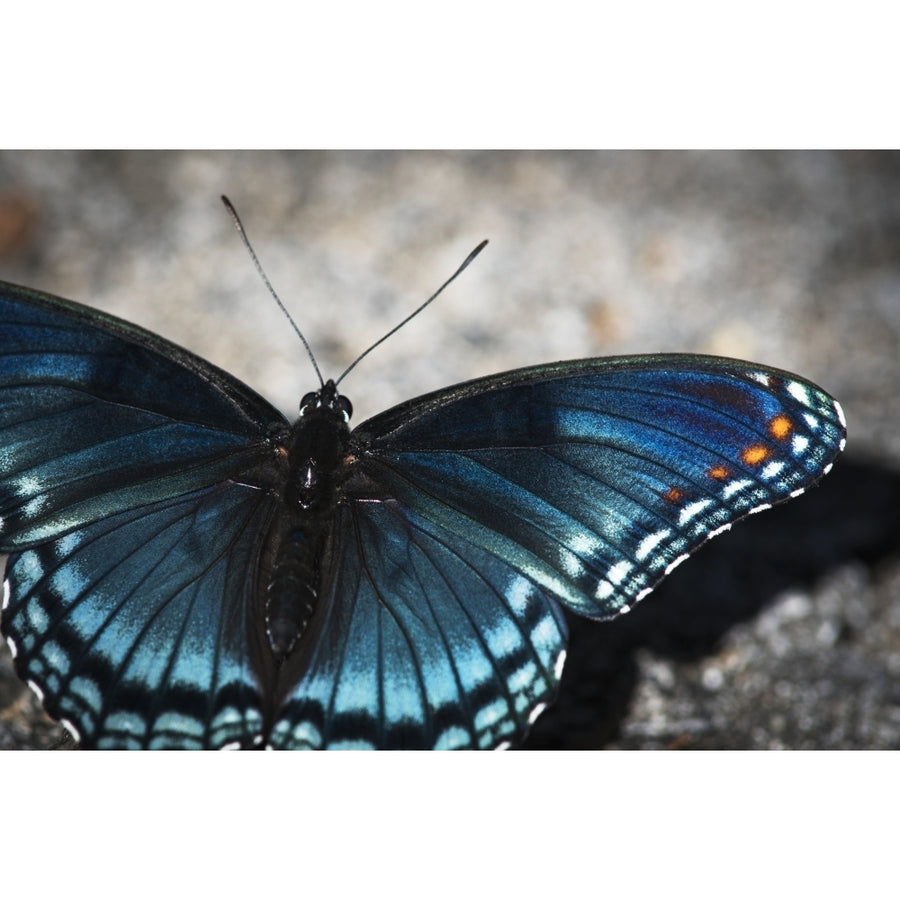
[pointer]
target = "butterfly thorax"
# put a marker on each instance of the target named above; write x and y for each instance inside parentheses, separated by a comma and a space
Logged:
(316, 455)
(316, 449)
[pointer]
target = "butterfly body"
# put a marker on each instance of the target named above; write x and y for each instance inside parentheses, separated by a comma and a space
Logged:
(188, 569)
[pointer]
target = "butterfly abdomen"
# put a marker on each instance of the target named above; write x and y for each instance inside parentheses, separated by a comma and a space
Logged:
(292, 591)
(316, 451)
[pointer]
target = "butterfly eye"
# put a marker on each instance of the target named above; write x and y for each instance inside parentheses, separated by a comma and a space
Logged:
(309, 401)
(346, 407)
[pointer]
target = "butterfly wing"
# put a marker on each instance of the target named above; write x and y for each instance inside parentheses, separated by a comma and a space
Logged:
(134, 486)
(137, 631)
(98, 416)
(475, 510)
(594, 478)
(422, 640)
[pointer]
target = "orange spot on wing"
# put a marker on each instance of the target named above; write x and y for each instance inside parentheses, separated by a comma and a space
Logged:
(754, 454)
(780, 427)
(720, 473)
(673, 495)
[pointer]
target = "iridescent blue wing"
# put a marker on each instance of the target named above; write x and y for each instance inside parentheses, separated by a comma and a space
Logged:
(594, 478)
(134, 481)
(137, 630)
(423, 640)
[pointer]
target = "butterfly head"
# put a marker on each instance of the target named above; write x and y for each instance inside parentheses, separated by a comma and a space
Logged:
(327, 397)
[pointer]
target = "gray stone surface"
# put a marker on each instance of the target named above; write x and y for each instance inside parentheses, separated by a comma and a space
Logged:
(784, 632)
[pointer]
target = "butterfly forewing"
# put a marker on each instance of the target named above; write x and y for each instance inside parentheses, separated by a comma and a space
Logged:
(98, 416)
(593, 478)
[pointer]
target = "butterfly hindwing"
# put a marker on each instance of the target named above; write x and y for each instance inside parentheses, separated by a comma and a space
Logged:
(423, 640)
(137, 629)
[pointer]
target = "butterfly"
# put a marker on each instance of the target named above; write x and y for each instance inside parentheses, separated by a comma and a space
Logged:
(188, 569)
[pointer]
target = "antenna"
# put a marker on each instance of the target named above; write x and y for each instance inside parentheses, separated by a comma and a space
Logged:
(240, 228)
(414, 313)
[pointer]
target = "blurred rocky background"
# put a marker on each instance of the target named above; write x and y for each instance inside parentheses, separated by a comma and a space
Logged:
(784, 632)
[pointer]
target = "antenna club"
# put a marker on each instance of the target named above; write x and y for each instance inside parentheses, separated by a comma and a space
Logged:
(414, 313)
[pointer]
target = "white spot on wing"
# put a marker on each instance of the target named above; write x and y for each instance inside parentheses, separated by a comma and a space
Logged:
(798, 392)
(544, 634)
(70, 728)
(532, 716)
(619, 571)
(67, 545)
(57, 658)
(473, 667)
(518, 594)
(839, 411)
(523, 677)
(734, 486)
(306, 733)
(571, 564)
(6, 592)
(693, 509)
(35, 505)
(26, 486)
(799, 443)
(649, 543)
(37, 689)
(771, 470)
(676, 562)
(560, 662)
(584, 544)
(503, 640)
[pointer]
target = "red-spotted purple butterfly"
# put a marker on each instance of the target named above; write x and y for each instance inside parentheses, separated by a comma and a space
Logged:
(188, 569)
